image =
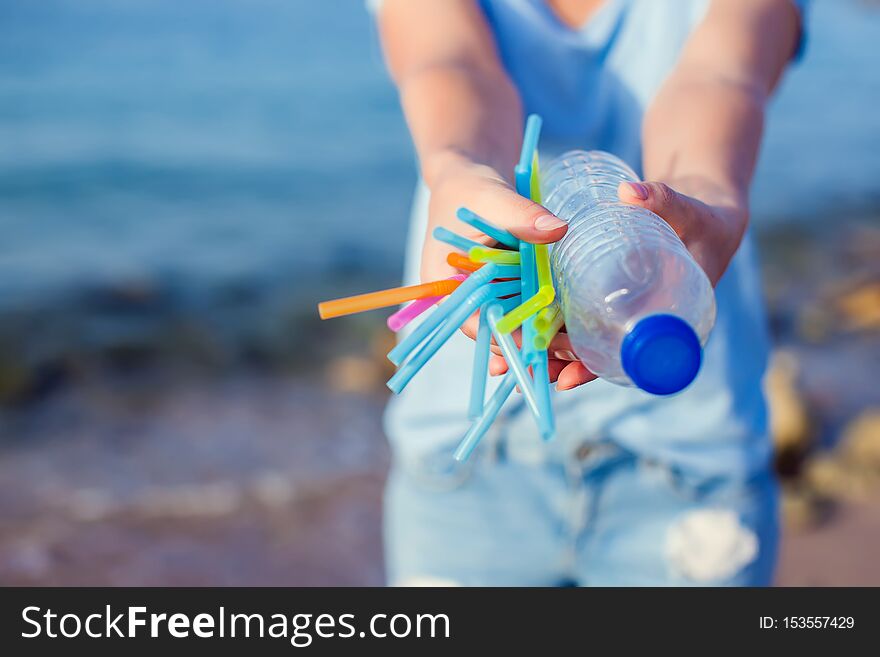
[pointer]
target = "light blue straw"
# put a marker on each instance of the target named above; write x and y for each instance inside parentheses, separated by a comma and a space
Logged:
(479, 428)
(480, 371)
(537, 359)
(464, 310)
(497, 234)
(519, 369)
(541, 368)
(530, 144)
(483, 275)
(454, 239)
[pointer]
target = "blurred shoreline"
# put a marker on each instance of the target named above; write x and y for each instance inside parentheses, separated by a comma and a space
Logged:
(177, 453)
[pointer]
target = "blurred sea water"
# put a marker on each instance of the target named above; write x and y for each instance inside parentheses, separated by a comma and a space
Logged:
(209, 142)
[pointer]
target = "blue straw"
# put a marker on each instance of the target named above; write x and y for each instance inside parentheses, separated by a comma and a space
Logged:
(530, 142)
(463, 310)
(497, 234)
(519, 369)
(523, 170)
(453, 239)
(480, 370)
(483, 275)
(479, 428)
(541, 369)
(538, 359)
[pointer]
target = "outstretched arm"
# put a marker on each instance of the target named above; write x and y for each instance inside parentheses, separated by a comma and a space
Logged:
(465, 118)
(702, 133)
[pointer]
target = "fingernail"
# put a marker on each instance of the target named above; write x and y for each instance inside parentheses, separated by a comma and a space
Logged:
(564, 354)
(548, 222)
(639, 190)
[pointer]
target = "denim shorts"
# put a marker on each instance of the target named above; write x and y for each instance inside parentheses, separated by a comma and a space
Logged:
(597, 516)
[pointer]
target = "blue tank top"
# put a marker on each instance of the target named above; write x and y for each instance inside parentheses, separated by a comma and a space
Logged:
(592, 85)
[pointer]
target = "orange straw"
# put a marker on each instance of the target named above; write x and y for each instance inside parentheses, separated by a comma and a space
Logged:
(385, 298)
(462, 262)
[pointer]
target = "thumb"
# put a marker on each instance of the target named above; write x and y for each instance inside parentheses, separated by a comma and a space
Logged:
(525, 219)
(676, 209)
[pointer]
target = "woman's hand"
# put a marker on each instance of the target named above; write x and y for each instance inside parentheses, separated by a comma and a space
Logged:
(708, 219)
(457, 182)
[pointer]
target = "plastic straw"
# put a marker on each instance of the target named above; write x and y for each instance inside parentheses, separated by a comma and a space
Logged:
(488, 254)
(519, 369)
(454, 239)
(479, 428)
(412, 310)
(498, 234)
(540, 367)
(545, 295)
(385, 298)
(547, 326)
(453, 321)
(480, 370)
(432, 321)
(523, 170)
(547, 316)
(459, 261)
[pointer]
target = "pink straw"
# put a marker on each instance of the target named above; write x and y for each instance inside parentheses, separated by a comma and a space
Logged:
(415, 308)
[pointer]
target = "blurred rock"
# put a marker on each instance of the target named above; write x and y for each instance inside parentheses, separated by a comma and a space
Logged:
(790, 422)
(860, 444)
(384, 340)
(273, 489)
(354, 374)
(835, 478)
(189, 501)
(815, 322)
(802, 507)
(860, 308)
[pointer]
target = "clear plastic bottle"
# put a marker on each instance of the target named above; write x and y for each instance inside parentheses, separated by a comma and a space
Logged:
(638, 309)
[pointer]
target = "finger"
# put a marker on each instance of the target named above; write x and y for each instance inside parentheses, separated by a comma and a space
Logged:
(471, 326)
(500, 204)
(678, 210)
(560, 348)
(573, 375)
(555, 367)
(497, 365)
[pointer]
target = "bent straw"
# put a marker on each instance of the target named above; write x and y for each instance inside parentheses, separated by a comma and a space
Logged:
(480, 370)
(523, 178)
(547, 316)
(498, 234)
(519, 369)
(479, 428)
(547, 325)
(463, 310)
(441, 312)
(442, 234)
(412, 310)
(488, 254)
(545, 295)
(385, 298)
(459, 261)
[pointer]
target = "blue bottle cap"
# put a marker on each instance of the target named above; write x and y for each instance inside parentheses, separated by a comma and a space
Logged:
(661, 354)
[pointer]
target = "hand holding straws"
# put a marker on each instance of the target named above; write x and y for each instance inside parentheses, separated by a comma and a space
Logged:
(514, 279)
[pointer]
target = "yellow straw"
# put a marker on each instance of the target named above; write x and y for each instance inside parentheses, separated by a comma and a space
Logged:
(488, 254)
